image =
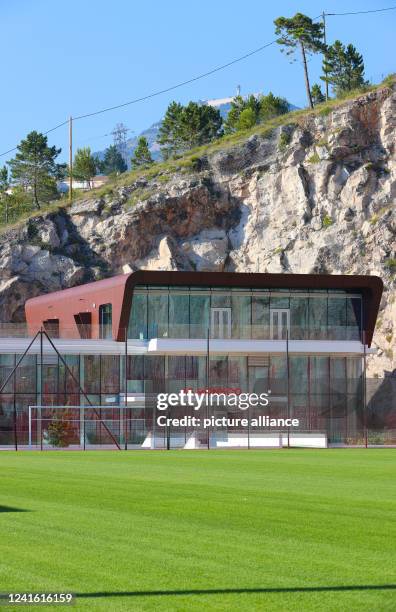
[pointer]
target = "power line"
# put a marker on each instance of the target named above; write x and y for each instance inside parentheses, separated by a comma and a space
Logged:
(196, 78)
(44, 133)
(159, 92)
(173, 87)
(389, 8)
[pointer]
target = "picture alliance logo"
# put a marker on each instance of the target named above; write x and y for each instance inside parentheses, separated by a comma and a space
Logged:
(212, 398)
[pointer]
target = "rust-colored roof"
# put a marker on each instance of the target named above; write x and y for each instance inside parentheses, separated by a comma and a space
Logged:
(118, 291)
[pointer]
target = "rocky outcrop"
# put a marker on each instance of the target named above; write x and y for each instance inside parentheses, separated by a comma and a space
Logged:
(317, 195)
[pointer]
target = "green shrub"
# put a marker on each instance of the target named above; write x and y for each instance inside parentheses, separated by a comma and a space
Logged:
(390, 264)
(327, 221)
(326, 110)
(389, 80)
(284, 140)
(314, 159)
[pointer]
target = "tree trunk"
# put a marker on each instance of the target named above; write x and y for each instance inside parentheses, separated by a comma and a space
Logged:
(307, 86)
(35, 198)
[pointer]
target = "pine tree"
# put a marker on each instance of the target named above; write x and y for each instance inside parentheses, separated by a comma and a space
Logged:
(4, 196)
(199, 124)
(343, 68)
(185, 127)
(246, 113)
(170, 131)
(35, 169)
(247, 119)
(112, 162)
(317, 95)
(238, 105)
(300, 31)
(272, 106)
(84, 165)
(142, 156)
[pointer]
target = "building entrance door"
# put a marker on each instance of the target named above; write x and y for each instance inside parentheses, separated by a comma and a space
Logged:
(220, 323)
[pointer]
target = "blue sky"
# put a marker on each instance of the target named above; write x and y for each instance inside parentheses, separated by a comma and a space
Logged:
(62, 59)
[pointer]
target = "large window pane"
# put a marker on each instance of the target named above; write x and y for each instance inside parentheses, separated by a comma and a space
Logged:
(158, 316)
(260, 317)
(154, 370)
(218, 371)
(354, 318)
(237, 373)
(220, 301)
(319, 375)
(7, 364)
(110, 374)
(278, 376)
(69, 376)
(178, 316)
(298, 374)
(336, 318)
(91, 373)
(25, 378)
(280, 302)
(135, 373)
(317, 318)
(199, 315)
(7, 417)
(138, 318)
(299, 318)
(241, 316)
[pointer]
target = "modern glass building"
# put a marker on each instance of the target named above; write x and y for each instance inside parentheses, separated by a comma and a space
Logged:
(95, 358)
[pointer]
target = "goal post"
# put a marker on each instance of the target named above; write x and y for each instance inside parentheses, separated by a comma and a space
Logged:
(76, 426)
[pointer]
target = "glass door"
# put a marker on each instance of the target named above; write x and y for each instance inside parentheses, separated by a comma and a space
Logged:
(279, 323)
(220, 323)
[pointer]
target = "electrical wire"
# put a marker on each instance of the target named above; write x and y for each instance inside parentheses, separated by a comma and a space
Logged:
(159, 92)
(196, 78)
(173, 87)
(44, 133)
(389, 8)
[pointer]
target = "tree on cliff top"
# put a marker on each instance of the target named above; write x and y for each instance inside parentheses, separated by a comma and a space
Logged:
(247, 112)
(142, 156)
(112, 161)
(185, 127)
(35, 169)
(317, 94)
(343, 68)
(300, 31)
(84, 165)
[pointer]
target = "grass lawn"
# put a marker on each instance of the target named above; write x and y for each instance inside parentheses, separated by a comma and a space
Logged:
(193, 530)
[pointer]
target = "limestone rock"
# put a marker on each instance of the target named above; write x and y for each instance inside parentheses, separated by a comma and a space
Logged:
(321, 199)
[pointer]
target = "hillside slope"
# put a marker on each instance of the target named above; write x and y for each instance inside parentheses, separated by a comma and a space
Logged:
(316, 195)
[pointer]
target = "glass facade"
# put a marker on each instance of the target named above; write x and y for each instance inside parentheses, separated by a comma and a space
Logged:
(191, 312)
(325, 393)
(110, 400)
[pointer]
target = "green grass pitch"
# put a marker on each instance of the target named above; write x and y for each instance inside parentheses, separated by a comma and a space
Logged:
(198, 530)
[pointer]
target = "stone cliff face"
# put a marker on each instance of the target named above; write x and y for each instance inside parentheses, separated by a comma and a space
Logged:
(314, 196)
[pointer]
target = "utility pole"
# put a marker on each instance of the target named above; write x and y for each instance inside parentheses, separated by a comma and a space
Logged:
(70, 159)
(325, 43)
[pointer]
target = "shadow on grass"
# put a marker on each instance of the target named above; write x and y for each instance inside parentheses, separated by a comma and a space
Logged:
(317, 589)
(11, 509)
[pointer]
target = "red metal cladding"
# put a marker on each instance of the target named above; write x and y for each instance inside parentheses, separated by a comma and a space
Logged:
(66, 306)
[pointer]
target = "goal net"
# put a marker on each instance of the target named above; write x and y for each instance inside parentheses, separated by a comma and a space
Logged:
(77, 427)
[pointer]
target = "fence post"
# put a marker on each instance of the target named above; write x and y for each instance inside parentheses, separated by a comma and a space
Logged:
(41, 387)
(288, 386)
(207, 384)
(126, 392)
(365, 390)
